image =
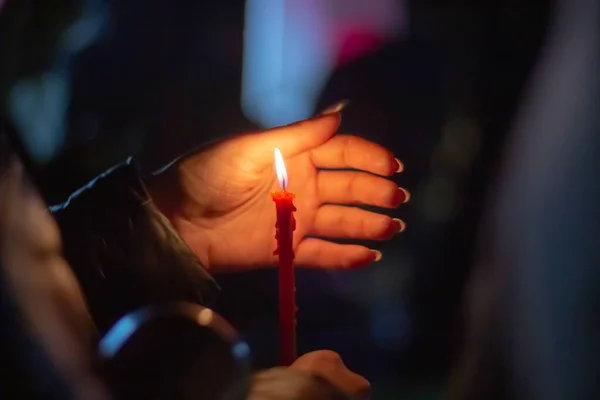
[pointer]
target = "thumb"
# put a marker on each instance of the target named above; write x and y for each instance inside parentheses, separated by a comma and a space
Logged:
(329, 365)
(293, 139)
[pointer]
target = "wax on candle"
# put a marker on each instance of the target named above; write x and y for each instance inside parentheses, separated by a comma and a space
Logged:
(284, 233)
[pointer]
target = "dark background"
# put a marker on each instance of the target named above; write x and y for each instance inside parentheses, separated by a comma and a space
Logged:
(166, 77)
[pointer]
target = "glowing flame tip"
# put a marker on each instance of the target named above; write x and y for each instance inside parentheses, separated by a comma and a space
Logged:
(280, 169)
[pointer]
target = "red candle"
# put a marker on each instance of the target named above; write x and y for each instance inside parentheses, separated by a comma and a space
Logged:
(284, 233)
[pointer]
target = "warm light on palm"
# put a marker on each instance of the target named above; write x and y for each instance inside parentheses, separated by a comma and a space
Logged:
(225, 212)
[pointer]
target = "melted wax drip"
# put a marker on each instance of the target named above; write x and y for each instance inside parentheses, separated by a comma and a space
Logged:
(277, 229)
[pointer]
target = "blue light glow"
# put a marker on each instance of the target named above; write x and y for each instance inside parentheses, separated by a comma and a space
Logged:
(118, 335)
(286, 60)
(241, 350)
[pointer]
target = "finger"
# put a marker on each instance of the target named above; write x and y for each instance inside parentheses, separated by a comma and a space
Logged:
(344, 151)
(329, 365)
(317, 253)
(290, 383)
(291, 139)
(352, 187)
(354, 223)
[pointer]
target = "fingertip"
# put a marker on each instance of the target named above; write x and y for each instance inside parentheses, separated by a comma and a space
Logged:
(402, 196)
(376, 255)
(399, 166)
(364, 258)
(326, 122)
(406, 194)
(333, 120)
(323, 254)
(388, 164)
(399, 225)
(335, 108)
(365, 390)
(371, 256)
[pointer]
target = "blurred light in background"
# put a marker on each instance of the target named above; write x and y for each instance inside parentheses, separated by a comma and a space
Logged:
(359, 27)
(286, 60)
(459, 145)
(291, 47)
(47, 97)
(89, 27)
(390, 322)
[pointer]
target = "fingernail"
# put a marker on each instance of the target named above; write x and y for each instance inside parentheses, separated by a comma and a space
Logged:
(402, 196)
(377, 254)
(399, 225)
(336, 108)
(400, 166)
(406, 195)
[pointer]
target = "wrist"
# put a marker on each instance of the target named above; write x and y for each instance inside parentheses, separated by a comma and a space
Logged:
(161, 191)
(165, 193)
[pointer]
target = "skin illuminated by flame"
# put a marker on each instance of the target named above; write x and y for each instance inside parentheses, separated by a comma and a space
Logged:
(280, 169)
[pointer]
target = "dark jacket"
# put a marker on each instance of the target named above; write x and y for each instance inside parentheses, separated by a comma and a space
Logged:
(124, 252)
(125, 255)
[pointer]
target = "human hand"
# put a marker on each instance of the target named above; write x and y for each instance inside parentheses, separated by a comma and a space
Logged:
(328, 365)
(218, 198)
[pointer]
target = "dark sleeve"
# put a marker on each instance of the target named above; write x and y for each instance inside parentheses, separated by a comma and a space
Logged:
(124, 252)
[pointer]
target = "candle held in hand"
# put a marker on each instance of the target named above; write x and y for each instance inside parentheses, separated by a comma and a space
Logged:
(284, 233)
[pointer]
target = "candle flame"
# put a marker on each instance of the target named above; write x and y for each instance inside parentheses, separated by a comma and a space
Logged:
(280, 169)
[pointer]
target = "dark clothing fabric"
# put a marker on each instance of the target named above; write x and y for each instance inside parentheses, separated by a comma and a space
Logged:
(124, 252)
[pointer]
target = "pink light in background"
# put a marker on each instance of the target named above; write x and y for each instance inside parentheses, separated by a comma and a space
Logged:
(360, 27)
(356, 43)
(291, 48)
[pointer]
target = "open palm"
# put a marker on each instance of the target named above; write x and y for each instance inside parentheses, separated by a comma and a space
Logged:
(218, 198)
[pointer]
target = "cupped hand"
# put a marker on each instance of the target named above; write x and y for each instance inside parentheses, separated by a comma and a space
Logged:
(218, 198)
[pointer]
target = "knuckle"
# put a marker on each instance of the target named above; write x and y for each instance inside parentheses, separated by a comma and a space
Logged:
(330, 356)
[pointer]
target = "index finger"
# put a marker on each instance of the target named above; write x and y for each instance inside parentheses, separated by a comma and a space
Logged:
(346, 151)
